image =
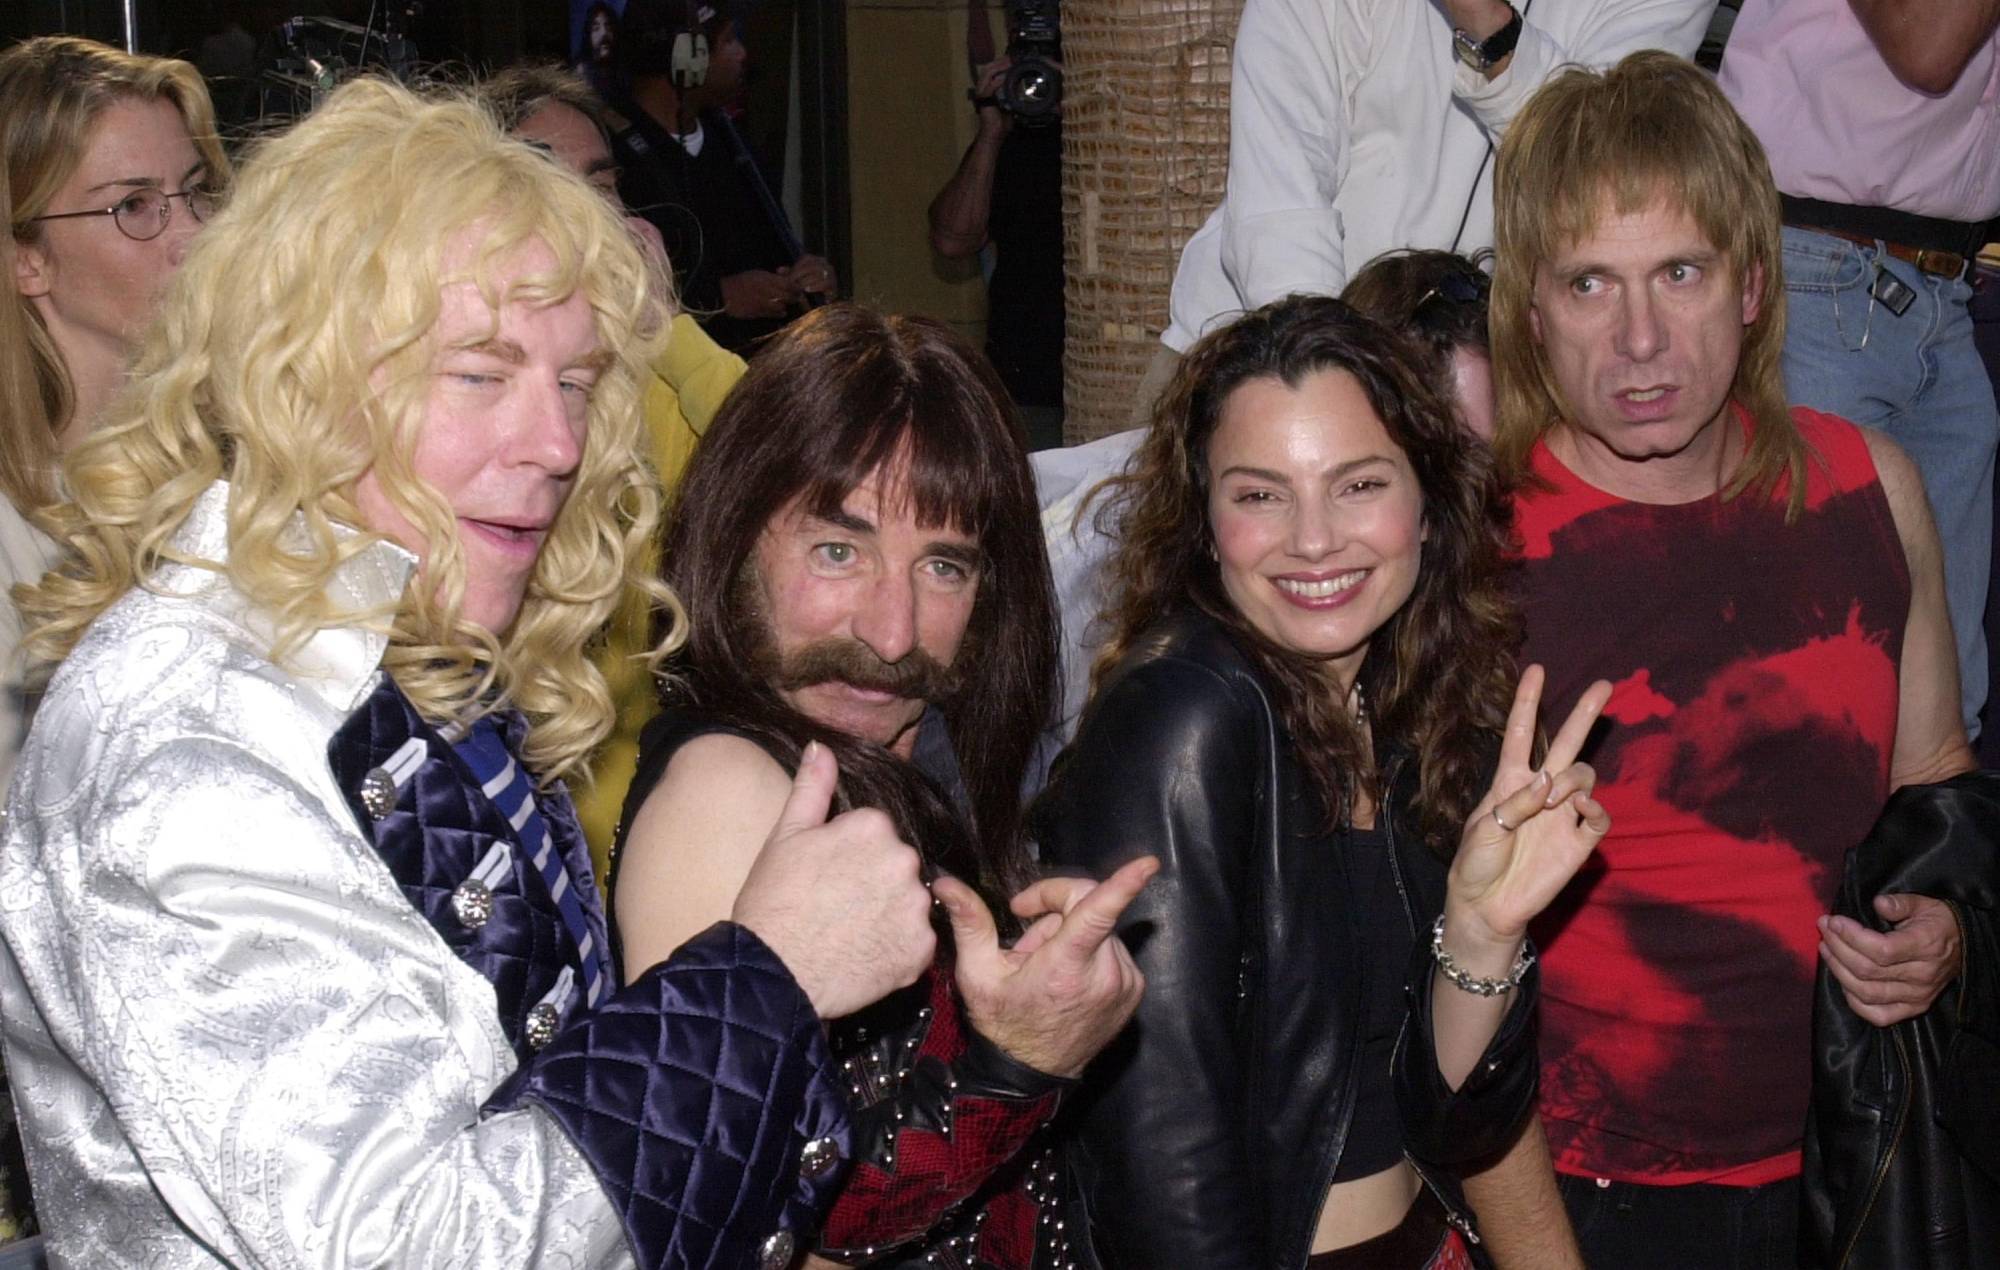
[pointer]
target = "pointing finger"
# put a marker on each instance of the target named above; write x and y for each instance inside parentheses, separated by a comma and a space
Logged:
(1094, 916)
(1893, 948)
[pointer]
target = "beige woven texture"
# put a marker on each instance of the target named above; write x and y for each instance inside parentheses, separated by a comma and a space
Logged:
(1145, 153)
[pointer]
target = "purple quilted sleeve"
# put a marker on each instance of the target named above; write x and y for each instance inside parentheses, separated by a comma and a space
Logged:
(704, 1096)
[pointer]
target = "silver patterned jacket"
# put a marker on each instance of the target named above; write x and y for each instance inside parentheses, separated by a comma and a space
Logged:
(234, 1040)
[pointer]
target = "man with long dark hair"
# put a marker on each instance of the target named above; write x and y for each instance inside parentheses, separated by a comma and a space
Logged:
(859, 539)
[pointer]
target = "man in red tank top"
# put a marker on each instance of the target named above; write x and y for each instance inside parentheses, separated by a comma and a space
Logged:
(1764, 588)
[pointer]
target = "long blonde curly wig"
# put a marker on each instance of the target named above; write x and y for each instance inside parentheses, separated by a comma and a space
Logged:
(294, 353)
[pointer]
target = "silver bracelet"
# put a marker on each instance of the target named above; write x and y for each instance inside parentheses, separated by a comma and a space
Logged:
(1467, 983)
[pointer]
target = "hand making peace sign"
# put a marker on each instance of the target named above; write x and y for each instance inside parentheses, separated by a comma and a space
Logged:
(1533, 830)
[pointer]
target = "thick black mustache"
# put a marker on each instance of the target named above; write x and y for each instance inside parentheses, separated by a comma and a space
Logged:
(916, 675)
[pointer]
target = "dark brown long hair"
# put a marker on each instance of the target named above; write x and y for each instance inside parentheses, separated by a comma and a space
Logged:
(1437, 298)
(826, 403)
(1439, 674)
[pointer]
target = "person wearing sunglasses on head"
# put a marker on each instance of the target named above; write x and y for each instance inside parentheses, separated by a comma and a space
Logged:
(1439, 297)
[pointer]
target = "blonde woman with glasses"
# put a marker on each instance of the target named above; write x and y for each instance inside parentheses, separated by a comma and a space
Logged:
(109, 163)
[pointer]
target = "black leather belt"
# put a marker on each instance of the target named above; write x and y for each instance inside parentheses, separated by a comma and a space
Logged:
(1943, 248)
(1935, 247)
(1942, 264)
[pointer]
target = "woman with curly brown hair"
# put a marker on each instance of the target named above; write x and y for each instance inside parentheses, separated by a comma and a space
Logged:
(1307, 685)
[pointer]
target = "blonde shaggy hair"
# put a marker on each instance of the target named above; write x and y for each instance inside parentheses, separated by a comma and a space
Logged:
(294, 353)
(1653, 129)
(52, 91)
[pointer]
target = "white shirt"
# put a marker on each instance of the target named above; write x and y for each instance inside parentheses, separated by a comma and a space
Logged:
(232, 1039)
(1353, 130)
(26, 553)
(1079, 549)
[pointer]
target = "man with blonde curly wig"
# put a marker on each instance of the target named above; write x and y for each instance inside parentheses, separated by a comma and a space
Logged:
(304, 965)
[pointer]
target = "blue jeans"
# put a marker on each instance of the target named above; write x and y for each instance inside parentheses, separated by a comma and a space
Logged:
(1620, 1226)
(1918, 378)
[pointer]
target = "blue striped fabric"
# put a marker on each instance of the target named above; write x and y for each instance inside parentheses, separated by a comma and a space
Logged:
(507, 786)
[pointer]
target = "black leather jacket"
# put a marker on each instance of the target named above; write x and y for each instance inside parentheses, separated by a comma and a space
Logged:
(1902, 1154)
(1209, 1132)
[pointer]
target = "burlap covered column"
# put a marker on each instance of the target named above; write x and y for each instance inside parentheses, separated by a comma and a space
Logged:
(1145, 152)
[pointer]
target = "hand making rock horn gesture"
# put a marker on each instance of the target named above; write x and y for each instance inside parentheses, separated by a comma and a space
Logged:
(1521, 846)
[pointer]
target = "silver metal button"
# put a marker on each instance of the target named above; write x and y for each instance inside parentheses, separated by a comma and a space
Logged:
(378, 792)
(775, 1253)
(542, 1023)
(819, 1156)
(472, 903)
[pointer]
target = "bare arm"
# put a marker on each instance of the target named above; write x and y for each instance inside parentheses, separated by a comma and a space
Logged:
(1521, 1214)
(692, 844)
(1930, 738)
(958, 213)
(727, 836)
(1928, 42)
(1895, 975)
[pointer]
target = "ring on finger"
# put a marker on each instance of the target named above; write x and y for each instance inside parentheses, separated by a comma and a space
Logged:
(1505, 827)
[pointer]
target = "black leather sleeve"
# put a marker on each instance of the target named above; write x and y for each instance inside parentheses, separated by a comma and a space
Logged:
(1943, 841)
(1901, 1164)
(1453, 1128)
(1171, 762)
(1967, 1106)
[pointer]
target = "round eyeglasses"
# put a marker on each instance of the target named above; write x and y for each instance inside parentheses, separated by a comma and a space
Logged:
(143, 214)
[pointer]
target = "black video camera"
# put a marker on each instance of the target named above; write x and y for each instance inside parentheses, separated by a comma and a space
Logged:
(1032, 88)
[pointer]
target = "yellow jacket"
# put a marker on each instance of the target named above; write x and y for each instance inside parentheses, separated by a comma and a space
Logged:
(690, 380)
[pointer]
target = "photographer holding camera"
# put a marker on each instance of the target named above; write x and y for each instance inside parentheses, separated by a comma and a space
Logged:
(1007, 191)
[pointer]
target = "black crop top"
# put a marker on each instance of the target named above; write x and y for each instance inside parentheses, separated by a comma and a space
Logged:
(1375, 1133)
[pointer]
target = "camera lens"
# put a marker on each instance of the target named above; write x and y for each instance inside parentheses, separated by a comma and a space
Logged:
(1033, 88)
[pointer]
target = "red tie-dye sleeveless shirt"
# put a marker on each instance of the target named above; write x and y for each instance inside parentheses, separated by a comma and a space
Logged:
(1747, 749)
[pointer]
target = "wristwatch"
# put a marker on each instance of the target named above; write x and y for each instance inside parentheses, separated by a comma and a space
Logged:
(1480, 55)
